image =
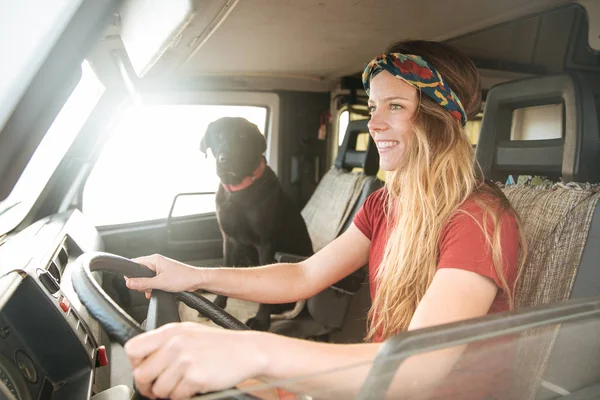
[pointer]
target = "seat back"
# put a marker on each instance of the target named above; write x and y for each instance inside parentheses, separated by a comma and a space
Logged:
(561, 220)
(573, 157)
(342, 191)
(331, 210)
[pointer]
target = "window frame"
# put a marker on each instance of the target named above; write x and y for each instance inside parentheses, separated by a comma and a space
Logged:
(269, 101)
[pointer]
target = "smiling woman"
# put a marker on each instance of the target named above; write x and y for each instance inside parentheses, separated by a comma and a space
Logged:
(441, 245)
(438, 245)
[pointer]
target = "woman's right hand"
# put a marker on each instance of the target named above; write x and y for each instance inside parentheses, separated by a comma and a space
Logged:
(171, 275)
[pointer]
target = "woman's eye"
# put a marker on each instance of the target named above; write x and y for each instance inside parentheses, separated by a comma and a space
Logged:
(371, 109)
(395, 107)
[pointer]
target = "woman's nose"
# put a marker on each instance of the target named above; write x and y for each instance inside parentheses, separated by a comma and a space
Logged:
(377, 122)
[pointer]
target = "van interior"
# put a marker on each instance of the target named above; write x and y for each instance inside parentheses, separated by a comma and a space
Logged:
(102, 108)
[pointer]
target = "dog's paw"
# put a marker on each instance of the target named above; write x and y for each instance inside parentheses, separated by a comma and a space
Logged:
(257, 324)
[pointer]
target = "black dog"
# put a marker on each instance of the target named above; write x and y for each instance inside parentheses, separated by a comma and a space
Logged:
(256, 217)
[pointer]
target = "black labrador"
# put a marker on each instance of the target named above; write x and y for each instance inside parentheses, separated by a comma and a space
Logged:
(256, 217)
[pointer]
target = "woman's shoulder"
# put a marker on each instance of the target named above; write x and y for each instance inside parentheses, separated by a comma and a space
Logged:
(371, 213)
(483, 206)
(376, 198)
(486, 197)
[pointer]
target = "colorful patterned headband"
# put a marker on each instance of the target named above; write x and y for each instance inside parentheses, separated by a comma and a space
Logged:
(418, 73)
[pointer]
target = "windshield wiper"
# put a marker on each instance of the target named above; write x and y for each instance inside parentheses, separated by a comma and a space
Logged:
(9, 207)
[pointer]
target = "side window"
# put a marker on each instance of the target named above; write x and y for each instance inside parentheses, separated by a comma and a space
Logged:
(152, 155)
(343, 121)
(354, 113)
(529, 123)
(537, 123)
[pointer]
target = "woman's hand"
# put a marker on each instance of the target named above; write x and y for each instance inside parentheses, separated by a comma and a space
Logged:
(178, 360)
(171, 276)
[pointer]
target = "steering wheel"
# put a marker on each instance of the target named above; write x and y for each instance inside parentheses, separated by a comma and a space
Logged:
(119, 325)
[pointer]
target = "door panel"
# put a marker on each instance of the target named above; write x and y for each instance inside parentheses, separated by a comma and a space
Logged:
(191, 239)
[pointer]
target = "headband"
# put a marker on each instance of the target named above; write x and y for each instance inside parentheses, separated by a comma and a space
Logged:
(420, 74)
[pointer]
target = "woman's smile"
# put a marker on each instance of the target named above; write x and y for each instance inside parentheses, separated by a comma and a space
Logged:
(386, 145)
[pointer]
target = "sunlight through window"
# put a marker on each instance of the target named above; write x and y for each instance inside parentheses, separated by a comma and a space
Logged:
(342, 126)
(153, 155)
(52, 148)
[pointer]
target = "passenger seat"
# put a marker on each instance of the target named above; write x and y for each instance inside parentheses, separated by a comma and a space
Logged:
(328, 213)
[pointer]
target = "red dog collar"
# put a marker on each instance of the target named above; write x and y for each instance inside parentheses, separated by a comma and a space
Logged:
(249, 180)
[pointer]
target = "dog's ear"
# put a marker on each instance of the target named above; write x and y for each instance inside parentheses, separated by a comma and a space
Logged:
(206, 140)
(203, 146)
(260, 142)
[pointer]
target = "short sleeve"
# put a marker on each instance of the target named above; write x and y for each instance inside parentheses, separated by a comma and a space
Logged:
(463, 245)
(364, 217)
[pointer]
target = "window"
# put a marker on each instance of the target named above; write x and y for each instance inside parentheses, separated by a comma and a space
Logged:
(29, 29)
(537, 123)
(356, 112)
(351, 113)
(51, 149)
(343, 121)
(529, 123)
(153, 155)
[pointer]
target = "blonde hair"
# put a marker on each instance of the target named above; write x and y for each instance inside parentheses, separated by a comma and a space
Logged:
(438, 174)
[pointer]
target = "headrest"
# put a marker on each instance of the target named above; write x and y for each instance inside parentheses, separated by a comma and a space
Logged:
(348, 157)
(574, 157)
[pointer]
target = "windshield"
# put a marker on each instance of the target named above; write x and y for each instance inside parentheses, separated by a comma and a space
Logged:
(51, 149)
(33, 26)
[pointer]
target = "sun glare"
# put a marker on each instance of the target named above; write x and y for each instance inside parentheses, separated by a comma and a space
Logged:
(153, 154)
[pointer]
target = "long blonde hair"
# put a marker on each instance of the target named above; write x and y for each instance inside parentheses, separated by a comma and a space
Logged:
(438, 173)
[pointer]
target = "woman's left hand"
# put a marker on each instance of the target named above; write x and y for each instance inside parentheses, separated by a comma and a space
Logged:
(181, 359)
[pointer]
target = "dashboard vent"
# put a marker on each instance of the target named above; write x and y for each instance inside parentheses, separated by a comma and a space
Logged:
(58, 263)
(62, 258)
(54, 271)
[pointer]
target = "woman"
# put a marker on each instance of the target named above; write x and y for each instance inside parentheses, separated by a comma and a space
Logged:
(442, 246)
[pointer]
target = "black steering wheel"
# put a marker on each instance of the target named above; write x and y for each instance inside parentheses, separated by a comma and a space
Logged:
(119, 325)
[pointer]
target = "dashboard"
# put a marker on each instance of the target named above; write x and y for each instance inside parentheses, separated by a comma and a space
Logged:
(50, 347)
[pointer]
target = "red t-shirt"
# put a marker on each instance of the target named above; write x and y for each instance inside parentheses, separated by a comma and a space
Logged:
(462, 245)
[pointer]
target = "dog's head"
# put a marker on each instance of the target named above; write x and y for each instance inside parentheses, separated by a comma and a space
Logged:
(237, 146)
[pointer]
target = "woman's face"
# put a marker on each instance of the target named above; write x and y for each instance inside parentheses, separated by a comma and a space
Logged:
(392, 103)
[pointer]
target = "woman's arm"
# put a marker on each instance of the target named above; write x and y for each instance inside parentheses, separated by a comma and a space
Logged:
(275, 283)
(181, 359)
(454, 295)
